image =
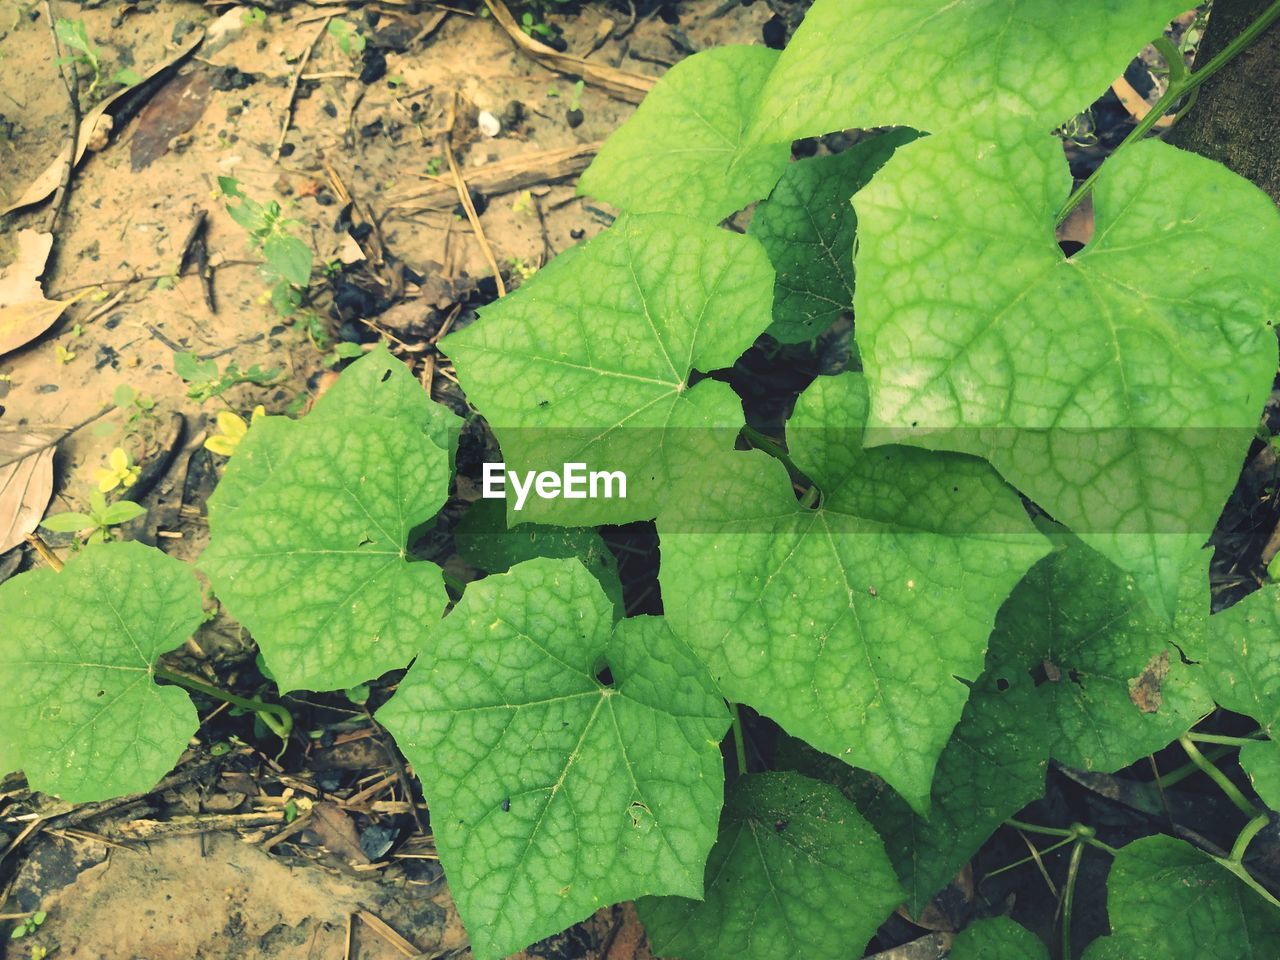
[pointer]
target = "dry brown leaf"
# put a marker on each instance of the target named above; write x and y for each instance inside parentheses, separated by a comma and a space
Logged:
(336, 831)
(26, 481)
(47, 182)
(24, 311)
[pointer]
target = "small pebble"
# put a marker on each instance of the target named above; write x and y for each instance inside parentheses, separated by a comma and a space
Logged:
(489, 125)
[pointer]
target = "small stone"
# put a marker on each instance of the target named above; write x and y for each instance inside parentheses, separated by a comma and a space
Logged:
(489, 125)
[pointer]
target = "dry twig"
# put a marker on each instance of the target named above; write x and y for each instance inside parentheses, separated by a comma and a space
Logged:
(293, 86)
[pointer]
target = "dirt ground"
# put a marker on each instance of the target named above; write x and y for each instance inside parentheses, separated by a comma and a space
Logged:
(156, 267)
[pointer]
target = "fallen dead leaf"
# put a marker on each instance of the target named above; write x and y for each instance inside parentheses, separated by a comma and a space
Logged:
(94, 122)
(26, 481)
(336, 831)
(24, 311)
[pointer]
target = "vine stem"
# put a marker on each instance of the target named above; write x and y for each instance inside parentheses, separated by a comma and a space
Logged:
(774, 449)
(273, 715)
(1217, 776)
(1068, 896)
(1181, 84)
(1246, 836)
(1187, 769)
(1228, 741)
(1077, 831)
(739, 742)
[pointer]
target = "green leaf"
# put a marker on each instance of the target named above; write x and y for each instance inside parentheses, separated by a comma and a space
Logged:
(308, 541)
(127, 77)
(192, 369)
(122, 511)
(484, 540)
(590, 361)
(1116, 698)
(1168, 901)
(552, 794)
(935, 65)
(68, 522)
(849, 624)
(1091, 666)
(289, 257)
(1261, 761)
(1120, 397)
(808, 227)
(682, 151)
(1240, 657)
(997, 939)
(73, 34)
(79, 709)
(795, 873)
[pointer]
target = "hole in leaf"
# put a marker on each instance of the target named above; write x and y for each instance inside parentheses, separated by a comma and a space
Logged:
(1076, 677)
(1002, 684)
(641, 816)
(1046, 671)
(604, 676)
(1077, 230)
(385, 376)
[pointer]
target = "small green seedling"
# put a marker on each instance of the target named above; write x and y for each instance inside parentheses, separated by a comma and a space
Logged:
(288, 258)
(28, 925)
(350, 40)
(74, 35)
(95, 526)
(535, 27)
(254, 17)
(205, 381)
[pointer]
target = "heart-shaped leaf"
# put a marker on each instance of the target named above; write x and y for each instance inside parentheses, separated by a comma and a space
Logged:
(310, 529)
(849, 624)
(591, 361)
(1168, 901)
(1083, 669)
(557, 788)
(783, 838)
(80, 713)
(1120, 399)
(934, 64)
(683, 149)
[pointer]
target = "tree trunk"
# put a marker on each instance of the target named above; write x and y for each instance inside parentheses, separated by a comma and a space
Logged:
(1237, 118)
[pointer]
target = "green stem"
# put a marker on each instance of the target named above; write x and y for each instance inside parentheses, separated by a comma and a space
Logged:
(1229, 741)
(1246, 836)
(770, 446)
(1188, 769)
(1068, 896)
(1039, 853)
(774, 449)
(1217, 776)
(739, 741)
(1077, 831)
(273, 715)
(1180, 85)
(1172, 58)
